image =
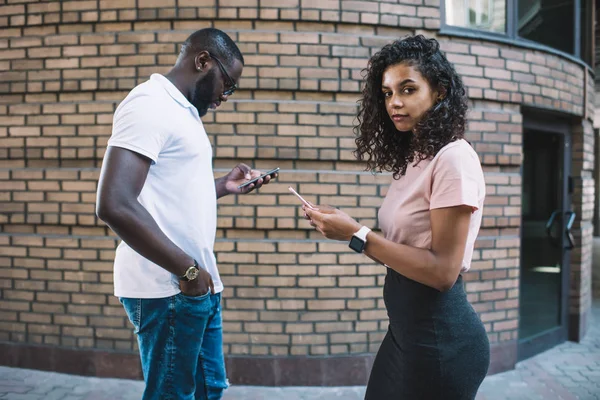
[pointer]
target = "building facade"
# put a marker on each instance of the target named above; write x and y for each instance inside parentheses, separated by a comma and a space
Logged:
(297, 309)
(596, 250)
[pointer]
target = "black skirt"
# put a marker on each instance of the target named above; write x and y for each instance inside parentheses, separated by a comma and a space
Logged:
(436, 346)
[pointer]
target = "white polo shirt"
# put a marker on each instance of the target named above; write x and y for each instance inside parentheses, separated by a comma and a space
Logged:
(157, 121)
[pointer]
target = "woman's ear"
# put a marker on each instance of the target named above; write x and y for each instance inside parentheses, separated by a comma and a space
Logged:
(441, 94)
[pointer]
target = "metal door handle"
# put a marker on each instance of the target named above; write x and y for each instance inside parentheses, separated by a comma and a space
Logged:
(571, 215)
(549, 224)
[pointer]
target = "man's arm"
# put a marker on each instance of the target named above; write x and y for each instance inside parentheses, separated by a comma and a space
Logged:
(121, 181)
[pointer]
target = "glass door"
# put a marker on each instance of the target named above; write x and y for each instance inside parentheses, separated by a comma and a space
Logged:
(545, 239)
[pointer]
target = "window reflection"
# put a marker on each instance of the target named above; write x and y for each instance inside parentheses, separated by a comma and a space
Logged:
(488, 15)
(549, 22)
(587, 31)
(552, 23)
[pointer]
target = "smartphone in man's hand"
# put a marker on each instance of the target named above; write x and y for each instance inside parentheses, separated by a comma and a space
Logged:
(271, 172)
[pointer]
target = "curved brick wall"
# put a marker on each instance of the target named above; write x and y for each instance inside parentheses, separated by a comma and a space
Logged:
(301, 303)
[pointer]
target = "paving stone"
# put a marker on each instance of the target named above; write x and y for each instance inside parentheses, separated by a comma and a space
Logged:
(15, 396)
(14, 389)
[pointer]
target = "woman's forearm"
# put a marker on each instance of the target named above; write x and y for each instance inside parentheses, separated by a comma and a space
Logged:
(421, 265)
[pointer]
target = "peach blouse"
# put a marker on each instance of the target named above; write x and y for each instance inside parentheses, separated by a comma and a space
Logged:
(453, 177)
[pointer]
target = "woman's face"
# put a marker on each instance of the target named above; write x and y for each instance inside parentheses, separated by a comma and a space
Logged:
(407, 95)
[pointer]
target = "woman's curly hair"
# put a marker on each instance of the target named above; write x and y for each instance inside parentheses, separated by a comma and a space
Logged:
(378, 141)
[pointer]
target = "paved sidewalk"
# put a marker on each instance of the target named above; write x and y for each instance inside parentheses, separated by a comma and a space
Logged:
(569, 371)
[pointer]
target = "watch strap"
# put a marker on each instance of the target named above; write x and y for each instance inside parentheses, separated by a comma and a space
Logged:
(362, 233)
(358, 241)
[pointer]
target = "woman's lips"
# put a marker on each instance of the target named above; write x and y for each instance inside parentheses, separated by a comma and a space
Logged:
(399, 117)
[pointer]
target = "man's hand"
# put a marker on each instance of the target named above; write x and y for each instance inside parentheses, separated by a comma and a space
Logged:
(199, 286)
(240, 174)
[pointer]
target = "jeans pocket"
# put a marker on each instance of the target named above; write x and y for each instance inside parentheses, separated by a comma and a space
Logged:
(138, 315)
(196, 298)
(133, 309)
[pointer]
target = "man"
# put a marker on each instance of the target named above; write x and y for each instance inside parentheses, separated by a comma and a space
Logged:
(158, 193)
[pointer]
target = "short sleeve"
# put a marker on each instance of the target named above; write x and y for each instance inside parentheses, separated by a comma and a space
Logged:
(138, 126)
(457, 179)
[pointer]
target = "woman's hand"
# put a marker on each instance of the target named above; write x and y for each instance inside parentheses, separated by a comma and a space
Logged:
(331, 222)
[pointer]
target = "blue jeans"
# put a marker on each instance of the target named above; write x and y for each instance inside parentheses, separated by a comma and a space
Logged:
(181, 346)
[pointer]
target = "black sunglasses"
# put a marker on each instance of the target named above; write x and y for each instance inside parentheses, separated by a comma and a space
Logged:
(232, 85)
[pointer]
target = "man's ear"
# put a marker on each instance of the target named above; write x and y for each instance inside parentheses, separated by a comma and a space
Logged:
(201, 59)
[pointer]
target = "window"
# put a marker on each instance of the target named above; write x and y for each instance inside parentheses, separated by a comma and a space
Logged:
(548, 22)
(587, 31)
(564, 25)
(488, 15)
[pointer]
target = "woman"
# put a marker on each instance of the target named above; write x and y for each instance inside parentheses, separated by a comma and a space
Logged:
(411, 122)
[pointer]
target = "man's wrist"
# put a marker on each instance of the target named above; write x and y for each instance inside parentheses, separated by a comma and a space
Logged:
(191, 272)
(221, 187)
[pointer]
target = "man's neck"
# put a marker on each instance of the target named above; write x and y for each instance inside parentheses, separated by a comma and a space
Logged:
(177, 81)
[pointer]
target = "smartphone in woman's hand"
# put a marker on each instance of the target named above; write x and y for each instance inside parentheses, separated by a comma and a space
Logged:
(306, 203)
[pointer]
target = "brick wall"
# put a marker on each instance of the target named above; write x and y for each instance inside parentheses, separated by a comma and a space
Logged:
(580, 294)
(65, 66)
(596, 125)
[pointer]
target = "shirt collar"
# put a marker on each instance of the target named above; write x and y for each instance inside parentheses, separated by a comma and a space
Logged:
(172, 90)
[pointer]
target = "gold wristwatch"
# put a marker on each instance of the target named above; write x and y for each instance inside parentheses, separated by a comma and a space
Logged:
(191, 273)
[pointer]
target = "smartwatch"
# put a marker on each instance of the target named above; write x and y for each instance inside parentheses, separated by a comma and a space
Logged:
(359, 240)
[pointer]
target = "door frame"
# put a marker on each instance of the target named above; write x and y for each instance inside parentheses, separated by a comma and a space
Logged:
(530, 346)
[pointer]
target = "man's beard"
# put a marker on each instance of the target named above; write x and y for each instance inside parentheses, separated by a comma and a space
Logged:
(203, 93)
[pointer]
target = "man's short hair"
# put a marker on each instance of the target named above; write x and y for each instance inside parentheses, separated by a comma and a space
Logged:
(214, 41)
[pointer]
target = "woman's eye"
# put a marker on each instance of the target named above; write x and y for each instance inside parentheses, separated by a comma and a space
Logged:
(408, 90)
(387, 94)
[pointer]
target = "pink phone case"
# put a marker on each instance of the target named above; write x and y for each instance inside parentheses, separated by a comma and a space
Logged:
(306, 203)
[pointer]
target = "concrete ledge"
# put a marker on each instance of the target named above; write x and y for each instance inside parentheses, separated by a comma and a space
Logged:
(578, 326)
(300, 371)
(503, 357)
(596, 260)
(87, 362)
(349, 370)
